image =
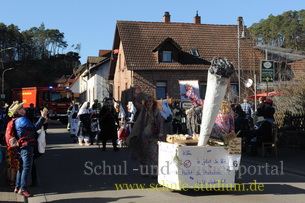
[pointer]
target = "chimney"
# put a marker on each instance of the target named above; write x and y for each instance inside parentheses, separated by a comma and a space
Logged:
(166, 17)
(197, 18)
(240, 21)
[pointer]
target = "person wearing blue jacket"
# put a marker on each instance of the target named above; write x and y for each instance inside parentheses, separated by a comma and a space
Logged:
(26, 132)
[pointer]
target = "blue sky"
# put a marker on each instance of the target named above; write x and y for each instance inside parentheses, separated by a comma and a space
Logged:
(92, 22)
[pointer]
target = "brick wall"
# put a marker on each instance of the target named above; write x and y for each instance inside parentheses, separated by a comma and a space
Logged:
(298, 67)
(147, 80)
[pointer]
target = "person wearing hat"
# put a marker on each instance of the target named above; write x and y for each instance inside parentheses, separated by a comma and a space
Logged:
(262, 133)
(26, 131)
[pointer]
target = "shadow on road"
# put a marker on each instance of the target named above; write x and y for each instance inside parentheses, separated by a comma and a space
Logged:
(275, 189)
(67, 168)
(82, 200)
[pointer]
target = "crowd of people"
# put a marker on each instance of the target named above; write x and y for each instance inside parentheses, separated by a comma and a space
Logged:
(147, 124)
(254, 127)
(89, 124)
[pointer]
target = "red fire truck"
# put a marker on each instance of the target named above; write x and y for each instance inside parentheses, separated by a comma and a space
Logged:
(56, 99)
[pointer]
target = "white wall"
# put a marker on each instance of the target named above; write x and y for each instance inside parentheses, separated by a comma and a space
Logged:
(103, 73)
(90, 90)
(76, 86)
(97, 87)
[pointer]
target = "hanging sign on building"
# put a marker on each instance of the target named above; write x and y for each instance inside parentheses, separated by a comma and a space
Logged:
(267, 71)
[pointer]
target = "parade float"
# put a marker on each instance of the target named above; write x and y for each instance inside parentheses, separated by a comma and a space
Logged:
(197, 162)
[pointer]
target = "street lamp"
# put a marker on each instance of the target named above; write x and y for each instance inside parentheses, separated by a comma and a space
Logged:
(3, 95)
(8, 48)
(2, 50)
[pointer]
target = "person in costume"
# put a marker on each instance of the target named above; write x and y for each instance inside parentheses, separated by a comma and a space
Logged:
(224, 123)
(109, 123)
(166, 114)
(148, 130)
(84, 129)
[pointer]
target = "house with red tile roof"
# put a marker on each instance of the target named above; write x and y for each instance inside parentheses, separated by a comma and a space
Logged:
(90, 80)
(153, 57)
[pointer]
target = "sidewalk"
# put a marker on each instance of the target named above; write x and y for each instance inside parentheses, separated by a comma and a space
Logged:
(293, 160)
(6, 192)
(9, 197)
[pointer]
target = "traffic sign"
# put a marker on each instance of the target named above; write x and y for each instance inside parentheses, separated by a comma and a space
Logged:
(267, 71)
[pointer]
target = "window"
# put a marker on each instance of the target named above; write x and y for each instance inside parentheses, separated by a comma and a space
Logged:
(119, 61)
(46, 96)
(161, 90)
(194, 52)
(234, 89)
(60, 96)
(233, 94)
(167, 56)
(202, 89)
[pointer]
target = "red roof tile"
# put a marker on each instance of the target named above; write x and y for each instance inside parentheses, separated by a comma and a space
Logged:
(139, 39)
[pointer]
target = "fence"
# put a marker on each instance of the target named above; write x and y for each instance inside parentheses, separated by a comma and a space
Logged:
(292, 129)
(290, 121)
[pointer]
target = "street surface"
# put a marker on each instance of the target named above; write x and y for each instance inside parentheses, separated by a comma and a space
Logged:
(68, 172)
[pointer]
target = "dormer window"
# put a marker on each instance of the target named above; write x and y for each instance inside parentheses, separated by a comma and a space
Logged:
(167, 56)
(194, 52)
(168, 51)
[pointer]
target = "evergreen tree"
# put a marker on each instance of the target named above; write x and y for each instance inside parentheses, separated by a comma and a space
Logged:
(35, 56)
(286, 30)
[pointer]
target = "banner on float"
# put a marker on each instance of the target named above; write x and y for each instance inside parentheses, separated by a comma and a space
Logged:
(196, 166)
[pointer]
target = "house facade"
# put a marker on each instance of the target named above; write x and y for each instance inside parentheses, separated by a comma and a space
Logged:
(98, 85)
(152, 57)
(298, 67)
(79, 84)
(75, 88)
(92, 81)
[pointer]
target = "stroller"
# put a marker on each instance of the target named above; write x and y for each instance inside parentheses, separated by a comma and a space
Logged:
(95, 130)
(123, 134)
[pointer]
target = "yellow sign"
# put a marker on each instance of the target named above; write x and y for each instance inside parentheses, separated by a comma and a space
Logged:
(26, 93)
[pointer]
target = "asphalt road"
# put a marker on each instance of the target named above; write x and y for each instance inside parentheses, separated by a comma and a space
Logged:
(68, 172)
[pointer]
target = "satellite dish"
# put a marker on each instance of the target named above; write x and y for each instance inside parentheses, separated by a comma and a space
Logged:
(248, 82)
